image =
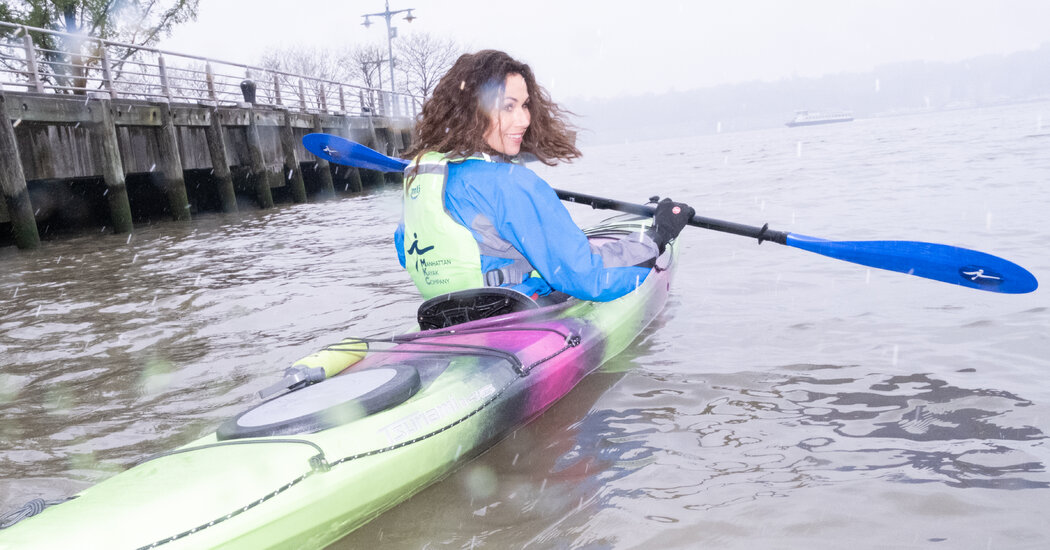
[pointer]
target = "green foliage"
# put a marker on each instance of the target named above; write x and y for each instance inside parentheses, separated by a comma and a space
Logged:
(138, 22)
(67, 59)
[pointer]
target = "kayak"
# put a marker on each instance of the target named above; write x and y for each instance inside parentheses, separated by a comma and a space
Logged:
(314, 461)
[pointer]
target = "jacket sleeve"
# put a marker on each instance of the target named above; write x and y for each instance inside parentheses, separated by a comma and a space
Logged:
(527, 213)
(399, 242)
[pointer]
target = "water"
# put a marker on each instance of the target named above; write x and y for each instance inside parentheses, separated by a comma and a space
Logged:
(782, 399)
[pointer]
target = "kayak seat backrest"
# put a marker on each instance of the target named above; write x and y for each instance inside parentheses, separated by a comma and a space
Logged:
(471, 305)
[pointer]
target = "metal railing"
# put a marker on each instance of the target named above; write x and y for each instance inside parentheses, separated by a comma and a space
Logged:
(44, 61)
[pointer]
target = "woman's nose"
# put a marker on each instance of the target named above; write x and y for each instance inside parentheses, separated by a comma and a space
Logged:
(523, 117)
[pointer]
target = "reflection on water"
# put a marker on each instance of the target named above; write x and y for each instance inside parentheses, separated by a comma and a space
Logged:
(702, 452)
(923, 429)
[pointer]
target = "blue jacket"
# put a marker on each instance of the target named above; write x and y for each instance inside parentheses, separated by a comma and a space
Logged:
(521, 225)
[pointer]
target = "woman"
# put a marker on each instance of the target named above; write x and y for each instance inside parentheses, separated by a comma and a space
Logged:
(475, 216)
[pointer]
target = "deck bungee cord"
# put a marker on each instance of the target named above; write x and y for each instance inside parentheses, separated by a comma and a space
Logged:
(29, 509)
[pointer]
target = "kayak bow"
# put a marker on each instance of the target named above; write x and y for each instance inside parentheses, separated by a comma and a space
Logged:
(303, 469)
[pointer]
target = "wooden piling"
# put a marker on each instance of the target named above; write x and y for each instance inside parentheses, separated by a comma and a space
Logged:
(220, 163)
(399, 146)
(354, 182)
(354, 177)
(371, 178)
(324, 169)
(376, 139)
(257, 172)
(13, 185)
(379, 143)
(113, 169)
(170, 165)
(293, 173)
(396, 145)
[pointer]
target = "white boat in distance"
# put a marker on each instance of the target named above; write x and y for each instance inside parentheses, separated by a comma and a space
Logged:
(806, 118)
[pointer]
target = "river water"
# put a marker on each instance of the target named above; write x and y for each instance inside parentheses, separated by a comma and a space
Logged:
(781, 400)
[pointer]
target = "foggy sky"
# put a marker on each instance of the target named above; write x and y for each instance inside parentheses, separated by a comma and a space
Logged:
(587, 49)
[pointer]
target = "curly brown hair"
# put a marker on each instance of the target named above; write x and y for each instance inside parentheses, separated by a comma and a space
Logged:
(454, 119)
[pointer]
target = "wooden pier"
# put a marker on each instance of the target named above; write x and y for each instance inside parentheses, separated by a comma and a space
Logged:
(108, 150)
(53, 147)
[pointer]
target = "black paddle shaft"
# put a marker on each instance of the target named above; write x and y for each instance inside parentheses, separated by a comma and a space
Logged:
(761, 233)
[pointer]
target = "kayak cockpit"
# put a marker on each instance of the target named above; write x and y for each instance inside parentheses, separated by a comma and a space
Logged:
(475, 304)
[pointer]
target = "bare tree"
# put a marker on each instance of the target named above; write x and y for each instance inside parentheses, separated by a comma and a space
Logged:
(318, 63)
(367, 63)
(422, 59)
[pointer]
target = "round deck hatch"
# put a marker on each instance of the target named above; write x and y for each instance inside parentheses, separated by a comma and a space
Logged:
(331, 403)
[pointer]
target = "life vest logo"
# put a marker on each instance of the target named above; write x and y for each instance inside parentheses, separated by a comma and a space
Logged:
(431, 270)
(981, 276)
(414, 250)
(414, 190)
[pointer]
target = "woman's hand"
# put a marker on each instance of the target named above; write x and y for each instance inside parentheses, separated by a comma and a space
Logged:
(670, 218)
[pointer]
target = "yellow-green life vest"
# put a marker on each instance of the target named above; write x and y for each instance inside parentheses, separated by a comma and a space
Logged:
(441, 255)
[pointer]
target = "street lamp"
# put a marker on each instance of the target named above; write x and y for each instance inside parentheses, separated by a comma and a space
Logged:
(391, 33)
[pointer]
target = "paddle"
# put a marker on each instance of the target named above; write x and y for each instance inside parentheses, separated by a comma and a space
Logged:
(939, 262)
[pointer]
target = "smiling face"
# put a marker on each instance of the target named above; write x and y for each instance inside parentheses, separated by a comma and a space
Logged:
(509, 117)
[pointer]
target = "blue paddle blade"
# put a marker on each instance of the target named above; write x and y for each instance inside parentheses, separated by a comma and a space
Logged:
(342, 151)
(939, 262)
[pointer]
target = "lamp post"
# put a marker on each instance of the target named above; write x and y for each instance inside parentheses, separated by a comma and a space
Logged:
(391, 32)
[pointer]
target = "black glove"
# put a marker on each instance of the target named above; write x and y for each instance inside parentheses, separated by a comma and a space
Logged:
(670, 218)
